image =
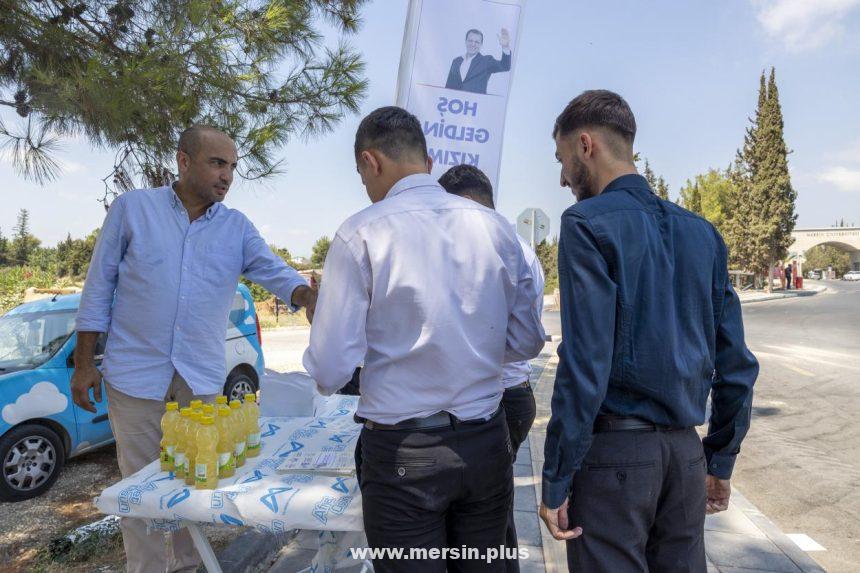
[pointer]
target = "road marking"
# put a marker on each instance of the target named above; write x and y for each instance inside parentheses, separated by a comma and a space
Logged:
(805, 542)
(800, 371)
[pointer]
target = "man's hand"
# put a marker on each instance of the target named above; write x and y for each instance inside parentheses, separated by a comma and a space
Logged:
(505, 39)
(557, 523)
(86, 376)
(306, 297)
(719, 491)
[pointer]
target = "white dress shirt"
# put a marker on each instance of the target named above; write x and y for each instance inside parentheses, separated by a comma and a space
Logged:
(432, 293)
(514, 373)
(464, 66)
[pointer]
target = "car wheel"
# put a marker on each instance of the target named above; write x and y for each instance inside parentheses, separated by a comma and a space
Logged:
(32, 458)
(238, 384)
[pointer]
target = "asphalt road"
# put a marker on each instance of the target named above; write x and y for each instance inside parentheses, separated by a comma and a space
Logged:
(800, 462)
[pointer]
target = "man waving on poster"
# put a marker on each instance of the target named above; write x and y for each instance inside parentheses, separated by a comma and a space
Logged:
(470, 73)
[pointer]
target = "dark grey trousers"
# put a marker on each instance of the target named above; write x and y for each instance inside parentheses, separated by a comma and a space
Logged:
(640, 500)
(447, 487)
(520, 409)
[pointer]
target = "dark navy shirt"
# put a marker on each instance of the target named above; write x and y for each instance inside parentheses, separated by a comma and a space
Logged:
(650, 326)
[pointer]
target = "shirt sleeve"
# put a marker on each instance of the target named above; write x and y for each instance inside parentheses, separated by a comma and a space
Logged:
(525, 334)
(338, 341)
(735, 373)
(267, 269)
(94, 312)
(588, 307)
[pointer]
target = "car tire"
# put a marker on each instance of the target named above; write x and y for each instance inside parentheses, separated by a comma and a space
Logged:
(238, 384)
(31, 458)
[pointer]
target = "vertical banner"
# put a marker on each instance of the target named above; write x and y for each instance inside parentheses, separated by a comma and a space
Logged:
(455, 74)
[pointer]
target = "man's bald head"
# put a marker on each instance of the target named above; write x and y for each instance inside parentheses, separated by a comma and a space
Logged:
(191, 140)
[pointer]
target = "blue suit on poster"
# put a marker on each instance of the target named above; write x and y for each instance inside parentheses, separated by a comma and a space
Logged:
(480, 70)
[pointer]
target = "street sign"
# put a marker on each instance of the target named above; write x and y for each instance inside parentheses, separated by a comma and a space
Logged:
(533, 226)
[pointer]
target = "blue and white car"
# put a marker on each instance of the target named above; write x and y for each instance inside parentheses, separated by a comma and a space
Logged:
(40, 425)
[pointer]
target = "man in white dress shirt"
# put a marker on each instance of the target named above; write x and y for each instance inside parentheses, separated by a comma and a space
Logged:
(518, 400)
(430, 292)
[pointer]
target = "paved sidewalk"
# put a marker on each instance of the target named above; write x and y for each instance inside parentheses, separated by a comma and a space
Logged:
(760, 296)
(739, 540)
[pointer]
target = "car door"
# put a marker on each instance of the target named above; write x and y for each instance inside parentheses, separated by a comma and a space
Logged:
(93, 428)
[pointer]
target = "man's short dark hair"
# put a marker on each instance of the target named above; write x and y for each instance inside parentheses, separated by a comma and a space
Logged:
(469, 180)
(475, 31)
(597, 108)
(393, 131)
(189, 139)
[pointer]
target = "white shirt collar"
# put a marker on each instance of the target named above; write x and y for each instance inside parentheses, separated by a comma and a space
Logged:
(411, 182)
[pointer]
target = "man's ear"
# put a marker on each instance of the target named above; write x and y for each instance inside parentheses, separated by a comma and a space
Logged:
(586, 144)
(429, 164)
(182, 160)
(374, 166)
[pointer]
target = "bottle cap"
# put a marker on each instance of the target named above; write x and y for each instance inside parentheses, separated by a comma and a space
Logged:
(186, 411)
(250, 398)
(235, 404)
(208, 409)
(172, 406)
(207, 420)
(221, 400)
(223, 410)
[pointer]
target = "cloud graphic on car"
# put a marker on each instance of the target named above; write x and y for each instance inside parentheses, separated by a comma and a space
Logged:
(43, 399)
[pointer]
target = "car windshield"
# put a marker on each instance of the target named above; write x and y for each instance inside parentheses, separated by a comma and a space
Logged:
(28, 340)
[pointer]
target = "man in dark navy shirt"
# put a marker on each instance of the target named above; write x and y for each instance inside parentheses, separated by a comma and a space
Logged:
(650, 326)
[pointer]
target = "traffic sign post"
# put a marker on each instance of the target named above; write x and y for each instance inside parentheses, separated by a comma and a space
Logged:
(533, 226)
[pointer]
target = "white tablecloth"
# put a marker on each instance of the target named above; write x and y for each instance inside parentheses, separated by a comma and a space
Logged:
(257, 496)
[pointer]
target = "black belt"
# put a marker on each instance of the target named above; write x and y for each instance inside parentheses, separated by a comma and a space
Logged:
(526, 385)
(433, 421)
(610, 423)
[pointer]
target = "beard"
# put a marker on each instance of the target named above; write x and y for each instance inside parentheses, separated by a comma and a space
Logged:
(582, 181)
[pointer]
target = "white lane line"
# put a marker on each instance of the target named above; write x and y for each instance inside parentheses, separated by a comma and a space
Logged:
(805, 542)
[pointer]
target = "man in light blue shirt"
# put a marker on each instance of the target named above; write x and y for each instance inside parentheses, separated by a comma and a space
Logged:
(161, 282)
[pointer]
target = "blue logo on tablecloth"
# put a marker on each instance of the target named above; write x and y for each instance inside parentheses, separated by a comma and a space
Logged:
(338, 438)
(318, 424)
(295, 446)
(340, 485)
(230, 520)
(270, 500)
(179, 497)
(257, 476)
(271, 431)
(331, 505)
(341, 412)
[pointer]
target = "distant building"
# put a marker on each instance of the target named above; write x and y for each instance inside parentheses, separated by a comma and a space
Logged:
(301, 260)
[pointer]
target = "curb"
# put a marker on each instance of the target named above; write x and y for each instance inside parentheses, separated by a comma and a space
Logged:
(800, 557)
(251, 549)
(778, 296)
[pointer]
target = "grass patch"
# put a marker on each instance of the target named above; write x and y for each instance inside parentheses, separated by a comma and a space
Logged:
(60, 555)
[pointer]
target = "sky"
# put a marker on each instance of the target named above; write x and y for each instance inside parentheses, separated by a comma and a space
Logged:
(689, 71)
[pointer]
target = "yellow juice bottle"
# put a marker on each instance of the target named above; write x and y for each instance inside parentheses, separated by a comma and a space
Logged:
(206, 460)
(252, 419)
(191, 446)
(181, 442)
(168, 436)
(226, 444)
(237, 422)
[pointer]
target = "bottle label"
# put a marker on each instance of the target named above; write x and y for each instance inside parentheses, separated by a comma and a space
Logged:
(254, 441)
(225, 462)
(200, 472)
(187, 465)
(179, 460)
(240, 448)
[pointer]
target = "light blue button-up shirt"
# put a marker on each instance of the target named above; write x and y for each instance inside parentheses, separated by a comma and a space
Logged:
(173, 282)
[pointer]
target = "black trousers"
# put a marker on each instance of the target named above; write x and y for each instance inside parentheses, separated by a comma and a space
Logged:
(640, 500)
(520, 410)
(439, 488)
